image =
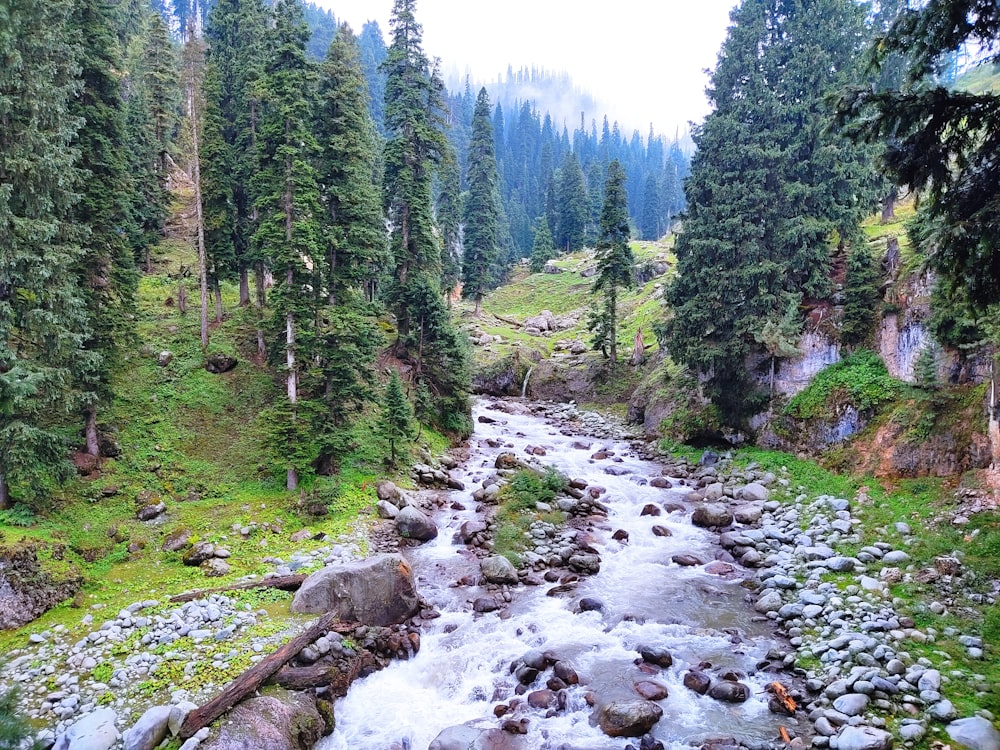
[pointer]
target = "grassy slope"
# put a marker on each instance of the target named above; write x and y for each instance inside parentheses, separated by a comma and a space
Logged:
(526, 294)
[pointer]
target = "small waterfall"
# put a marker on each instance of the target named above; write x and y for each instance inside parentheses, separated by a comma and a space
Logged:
(527, 377)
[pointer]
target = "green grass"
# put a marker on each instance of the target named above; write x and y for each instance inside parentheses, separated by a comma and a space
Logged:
(860, 379)
(517, 509)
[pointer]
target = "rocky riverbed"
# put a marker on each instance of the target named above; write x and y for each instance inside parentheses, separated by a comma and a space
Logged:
(851, 656)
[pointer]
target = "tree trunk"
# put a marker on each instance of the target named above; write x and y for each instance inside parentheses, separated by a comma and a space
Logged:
(479, 304)
(292, 481)
(284, 583)
(613, 326)
(259, 285)
(889, 207)
(5, 500)
(196, 178)
(182, 298)
(90, 430)
(638, 349)
(250, 680)
(244, 287)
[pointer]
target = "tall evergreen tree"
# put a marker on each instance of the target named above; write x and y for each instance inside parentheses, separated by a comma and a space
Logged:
(614, 259)
(234, 60)
(289, 232)
(43, 319)
(107, 271)
(373, 53)
(482, 209)
(542, 249)
(449, 219)
(396, 422)
(572, 203)
(861, 296)
(414, 147)
(348, 170)
(772, 182)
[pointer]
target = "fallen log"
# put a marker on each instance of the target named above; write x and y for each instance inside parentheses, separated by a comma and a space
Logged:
(324, 675)
(285, 583)
(252, 679)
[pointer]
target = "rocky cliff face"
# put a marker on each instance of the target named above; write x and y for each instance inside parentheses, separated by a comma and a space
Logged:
(26, 591)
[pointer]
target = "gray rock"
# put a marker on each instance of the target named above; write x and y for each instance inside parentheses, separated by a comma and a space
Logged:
(896, 557)
(385, 509)
(863, 738)
(943, 711)
(929, 680)
(498, 569)
(413, 524)
(178, 713)
(149, 730)
(840, 564)
(376, 591)
(974, 733)
(285, 721)
(756, 493)
(748, 513)
(912, 732)
(94, 731)
(730, 691)
(711, 514)
(215, 568)
(629, 718)
(852, 704)
(198, 553)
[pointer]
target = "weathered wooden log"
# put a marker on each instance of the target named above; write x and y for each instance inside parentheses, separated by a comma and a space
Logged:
(324, 675)
(285, 583)
(252, 679)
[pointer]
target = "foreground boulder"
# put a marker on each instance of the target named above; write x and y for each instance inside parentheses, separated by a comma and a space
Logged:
(149, 731)
(629, 718)
(377, 591)
(975, 733)
(711, 514)
(498, 569)
(94, 731)
(863, 738)
(288, 722)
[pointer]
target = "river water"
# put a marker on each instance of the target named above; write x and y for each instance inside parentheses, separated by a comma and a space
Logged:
(463, 668)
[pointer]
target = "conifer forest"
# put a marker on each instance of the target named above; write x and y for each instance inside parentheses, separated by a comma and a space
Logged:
(279, 298)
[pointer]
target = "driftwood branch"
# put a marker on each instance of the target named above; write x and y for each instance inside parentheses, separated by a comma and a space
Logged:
(252, 679)
(285, 583)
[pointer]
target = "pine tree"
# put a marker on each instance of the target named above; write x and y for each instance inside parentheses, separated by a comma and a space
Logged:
(396, 422)
(482, 209)
(234, 64)
(373, 53)
(449, 219)
(348, 171)
(772, 181)
(289, 233)
(107, 271)
(614, 258)
(414, 147)
(542, 249)
(925, 370)
(861, 296)
(652, 226)
(572, 204)
(43, 319)
(15, 731)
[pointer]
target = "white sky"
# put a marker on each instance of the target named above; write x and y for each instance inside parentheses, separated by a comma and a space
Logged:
(645, 59)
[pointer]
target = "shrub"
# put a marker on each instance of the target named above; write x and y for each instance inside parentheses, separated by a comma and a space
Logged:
(860, 380)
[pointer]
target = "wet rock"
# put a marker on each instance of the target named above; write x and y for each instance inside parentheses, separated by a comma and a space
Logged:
(650, 510)
(862, 738)
(413, 524)
(377, 591)
(629, 718)
(486, 604)
(149, 731)
(498, 569)
(620, 536)
(661, 530)
(974, 733)
(590, 604)
(685, 560)
(661, 482)
(718, 568)
(711, 514)
(587, 564)
(769, 601)
(729, 691)
(565, 672)
(650, 690)
(656, 655)
(508, 460)
(697, 681)
(541, 699)
(95, 731)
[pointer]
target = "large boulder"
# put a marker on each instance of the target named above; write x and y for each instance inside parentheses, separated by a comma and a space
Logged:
(711, 514)
(544, 321)
(498, 569)
(149, 731)
(413, 524)
(464, 737)
(27, 591)
(629, 718)
(284, 721)
(975, 733)
(376, 591)
(95, 731)
(218, 363)
(863, 738)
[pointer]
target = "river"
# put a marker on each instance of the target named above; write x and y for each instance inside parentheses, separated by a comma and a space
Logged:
(463, 667)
